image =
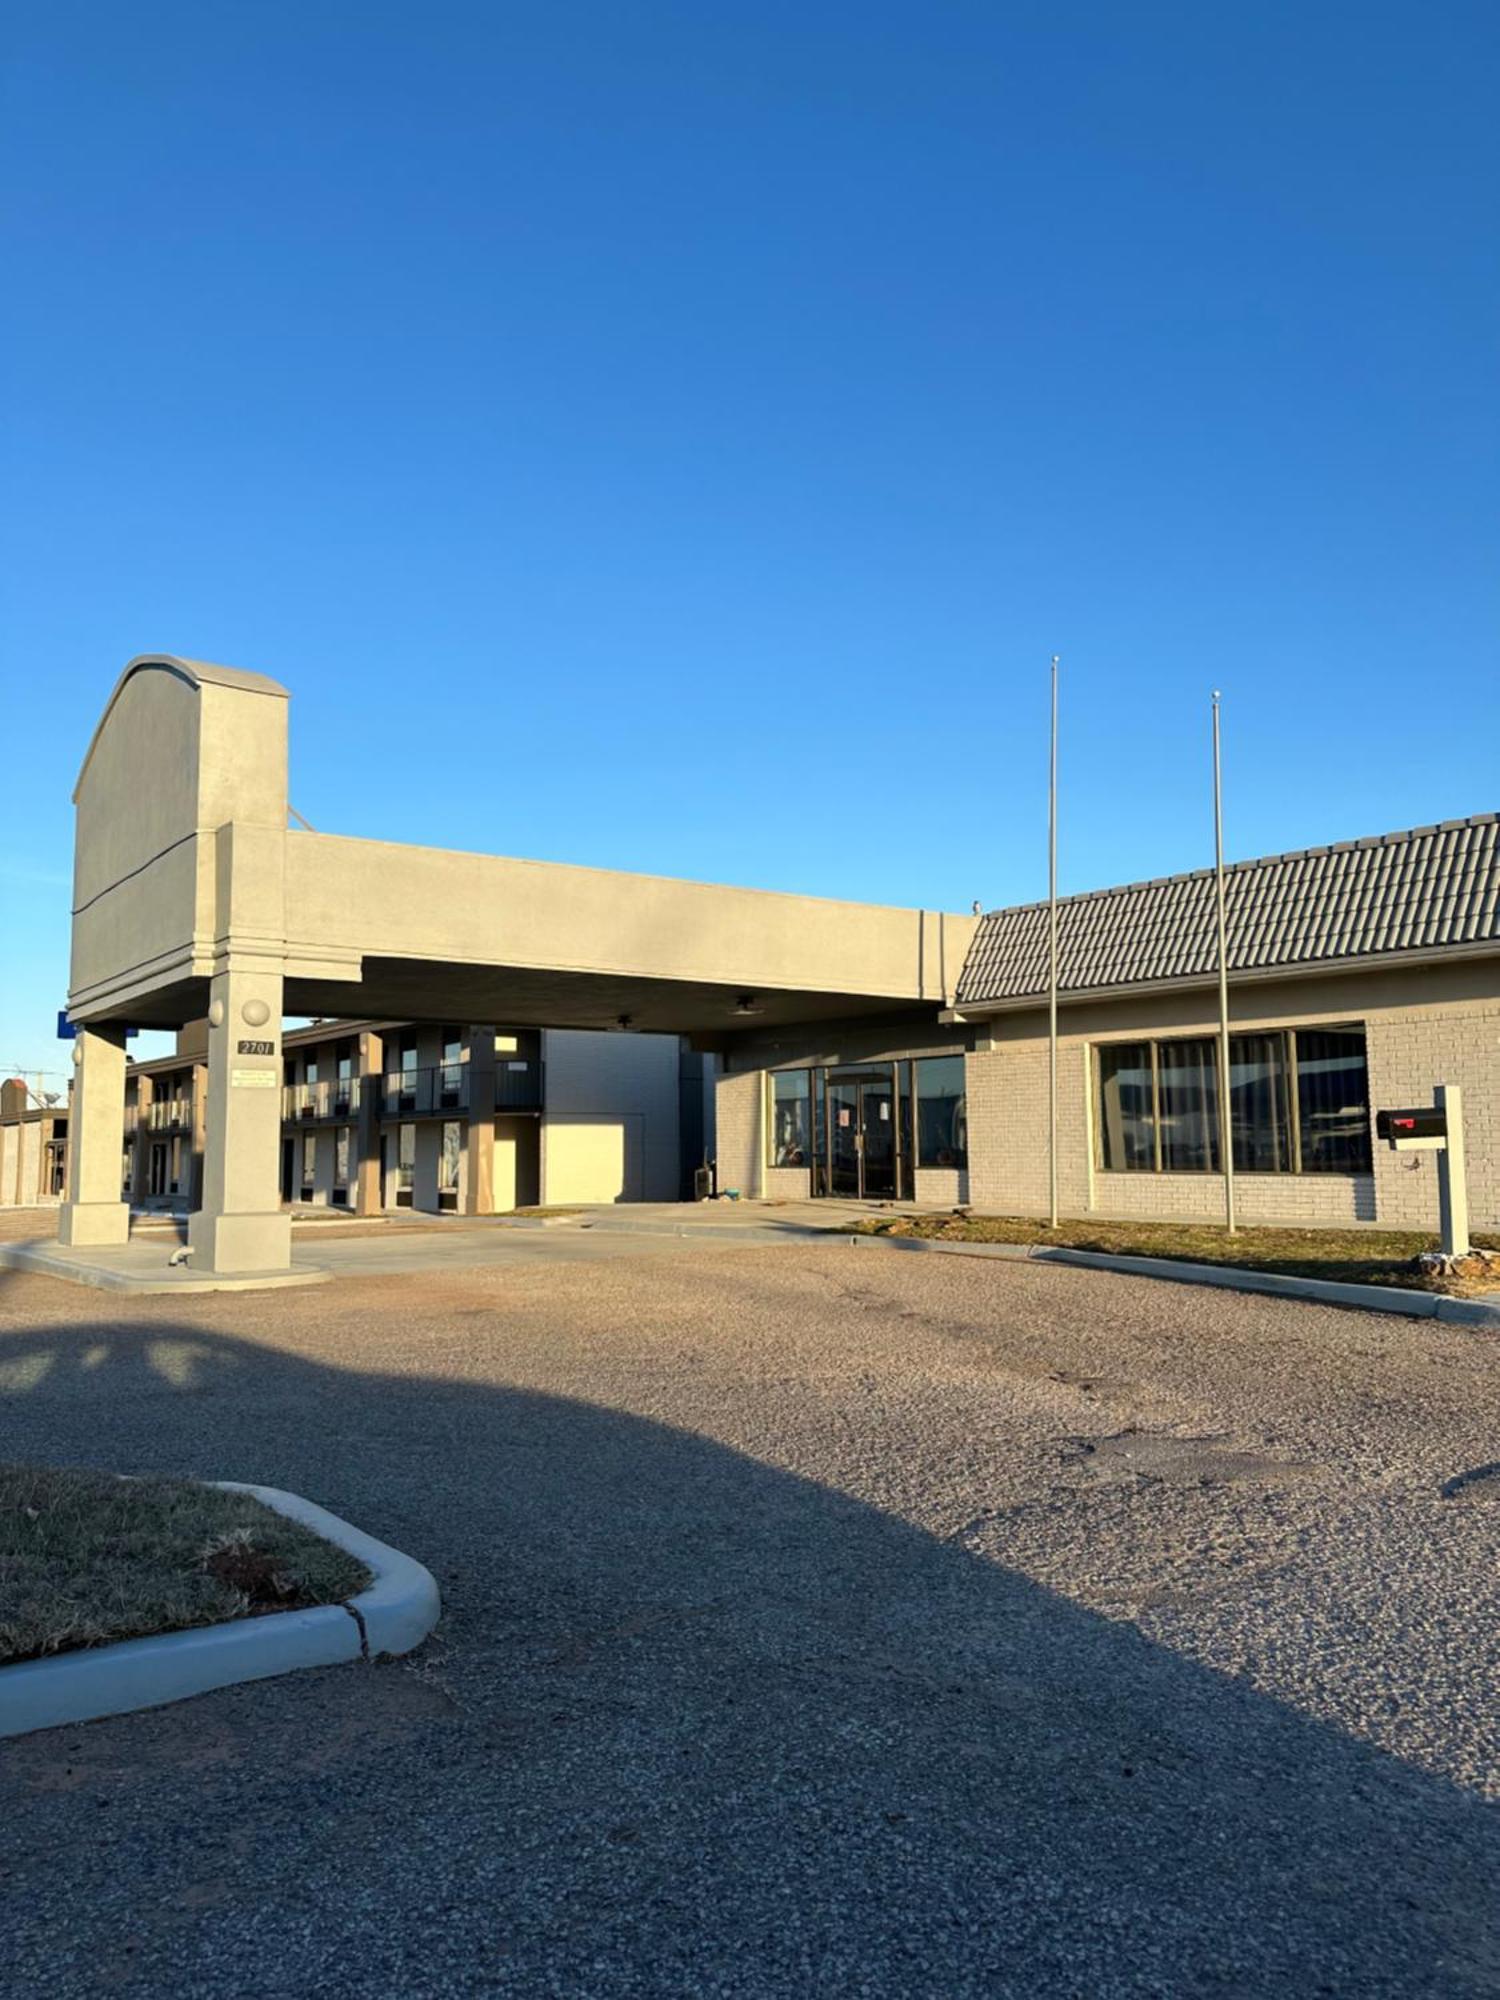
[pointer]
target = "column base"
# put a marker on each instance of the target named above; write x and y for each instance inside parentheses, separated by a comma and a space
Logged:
(93, 1224)
(234, 1243)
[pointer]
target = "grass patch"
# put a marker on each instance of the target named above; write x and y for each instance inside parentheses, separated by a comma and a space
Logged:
(87, 1558)
(1349, 1256)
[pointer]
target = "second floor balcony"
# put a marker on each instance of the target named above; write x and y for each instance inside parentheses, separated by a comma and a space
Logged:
(445, 1089)
(167, 1114)
(335, 1097)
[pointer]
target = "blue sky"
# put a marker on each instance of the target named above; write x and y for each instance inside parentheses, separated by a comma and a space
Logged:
(676, 436)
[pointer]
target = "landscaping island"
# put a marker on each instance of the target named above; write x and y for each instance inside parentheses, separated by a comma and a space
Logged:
(1344, 1256)
(88, 1558)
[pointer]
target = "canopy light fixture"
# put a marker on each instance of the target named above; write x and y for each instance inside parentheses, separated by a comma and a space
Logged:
(748, 1004)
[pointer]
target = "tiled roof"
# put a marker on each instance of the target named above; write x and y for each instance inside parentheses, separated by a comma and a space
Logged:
(1432, 887)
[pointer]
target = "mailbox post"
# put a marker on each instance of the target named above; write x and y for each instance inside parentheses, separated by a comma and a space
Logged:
(1453, 1183)
(1437, 1128)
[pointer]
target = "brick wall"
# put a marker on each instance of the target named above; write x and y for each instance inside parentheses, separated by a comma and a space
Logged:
(1411, 1051)
(1410, 1048)
(1423, 1026)
(737, 1115)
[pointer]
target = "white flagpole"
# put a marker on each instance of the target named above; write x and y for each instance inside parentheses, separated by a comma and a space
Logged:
(1052, 965)
(1226, 1136)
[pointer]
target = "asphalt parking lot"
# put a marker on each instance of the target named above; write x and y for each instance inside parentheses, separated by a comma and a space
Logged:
(817, 1622)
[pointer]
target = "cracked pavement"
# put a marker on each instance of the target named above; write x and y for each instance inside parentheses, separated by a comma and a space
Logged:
(816, 1622)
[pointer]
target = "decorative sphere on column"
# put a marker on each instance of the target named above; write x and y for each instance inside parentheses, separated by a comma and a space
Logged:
(216, 1013)
(255, 1013)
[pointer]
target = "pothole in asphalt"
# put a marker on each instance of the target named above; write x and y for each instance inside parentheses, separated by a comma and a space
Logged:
(1480, 1482)
(1187, 1461)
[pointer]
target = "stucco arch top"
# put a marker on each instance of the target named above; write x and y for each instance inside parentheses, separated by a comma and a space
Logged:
(192, 673)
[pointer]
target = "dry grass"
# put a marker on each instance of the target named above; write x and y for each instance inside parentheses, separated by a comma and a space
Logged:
(87, 1558)
(1350, 1256)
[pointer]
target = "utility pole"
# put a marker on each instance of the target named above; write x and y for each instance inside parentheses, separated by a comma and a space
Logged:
(1052, 966)
(1226, 1136)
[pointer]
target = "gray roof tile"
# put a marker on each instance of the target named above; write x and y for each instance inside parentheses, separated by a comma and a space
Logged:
(1432, 887)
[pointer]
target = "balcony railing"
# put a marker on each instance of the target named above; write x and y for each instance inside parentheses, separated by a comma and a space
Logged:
(419, 1093)
(333, 1097)
(169, 1114)
(518, 1083)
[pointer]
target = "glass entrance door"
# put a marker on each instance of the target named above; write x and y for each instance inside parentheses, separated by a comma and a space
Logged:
(877, 1129)
(862, 1137)
(843, 1137)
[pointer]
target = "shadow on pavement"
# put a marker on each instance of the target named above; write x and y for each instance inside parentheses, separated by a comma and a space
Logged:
(691, 1725)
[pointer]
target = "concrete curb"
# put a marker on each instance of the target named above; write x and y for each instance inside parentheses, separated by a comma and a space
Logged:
(395, 1614)
(50, 1261)
(1320, 1291)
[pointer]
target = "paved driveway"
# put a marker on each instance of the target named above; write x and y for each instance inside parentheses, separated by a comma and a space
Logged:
(819, 1622)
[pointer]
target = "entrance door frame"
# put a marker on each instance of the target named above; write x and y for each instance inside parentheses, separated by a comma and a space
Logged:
(890, 1080)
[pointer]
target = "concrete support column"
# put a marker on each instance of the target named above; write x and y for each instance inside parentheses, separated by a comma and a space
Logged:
(479, 1192)
(93, 1212)
(198, 1103)
(140, 1163)
(369, 1196)
(240, 1225)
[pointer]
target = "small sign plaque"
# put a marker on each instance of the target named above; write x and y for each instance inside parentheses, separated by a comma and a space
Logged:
(257, 1048)
(253, 1079)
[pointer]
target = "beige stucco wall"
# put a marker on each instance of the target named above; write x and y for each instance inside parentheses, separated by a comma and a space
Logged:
(349, 898)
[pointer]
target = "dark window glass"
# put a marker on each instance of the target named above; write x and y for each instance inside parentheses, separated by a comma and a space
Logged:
(1127, 1138)
(1333, 1100)
(448, 1160)
(942, 1112)
(791, 1121)
(1259, 1104)
(1187, 1107)
(820, 1132)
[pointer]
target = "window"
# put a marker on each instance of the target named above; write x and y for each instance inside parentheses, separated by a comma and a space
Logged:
(1127, 1108)
(1333, 1100)
(942, 1112)
(1298, 1103)
(791, 1119)
(341, 1163)
(1187, 1109)
(448, 1166)
(309, 1163)
(406, 1162)
(1259, 1114)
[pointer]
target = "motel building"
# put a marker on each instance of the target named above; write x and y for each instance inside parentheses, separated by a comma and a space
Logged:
(858, 1052)
(380, 1115)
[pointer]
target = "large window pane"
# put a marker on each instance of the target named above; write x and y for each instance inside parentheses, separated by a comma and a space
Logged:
(791, 1122)
(1127, 1140)
(1259, 1115)
(1188, 1107)
(942, 1112)
(1333, 1098)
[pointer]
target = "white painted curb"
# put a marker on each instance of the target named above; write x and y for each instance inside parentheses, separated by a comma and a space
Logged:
(1227, 1277)
(395, 1614)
